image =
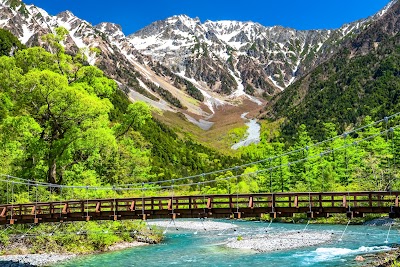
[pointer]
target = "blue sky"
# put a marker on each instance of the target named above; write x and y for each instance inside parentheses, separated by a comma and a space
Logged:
(133, 15)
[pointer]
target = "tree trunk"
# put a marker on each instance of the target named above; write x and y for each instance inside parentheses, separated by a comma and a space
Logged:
(52, 173)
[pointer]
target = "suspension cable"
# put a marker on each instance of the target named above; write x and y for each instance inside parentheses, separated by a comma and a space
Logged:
(143, 200)
(247, 164)
(208, 181)
(308, 181)
(115, 203)
(36, 203)
(87, 203)
(12, 200)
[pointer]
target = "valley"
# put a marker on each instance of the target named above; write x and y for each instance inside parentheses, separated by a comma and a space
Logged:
(102, 132)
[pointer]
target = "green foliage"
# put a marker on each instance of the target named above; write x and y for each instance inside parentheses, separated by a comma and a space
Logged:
(173, 157)
(249, 89)
(64, 122)
(9, 44)
(344, 90)
(179, 82)
(78, 237)
(55, 118)
(165, 94)
(341, 164)
(193, 91)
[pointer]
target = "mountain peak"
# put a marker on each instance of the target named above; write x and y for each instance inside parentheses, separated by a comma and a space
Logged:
(387, 7)
(111, 29)
(108, 26)
(66, 15)
(185, 20)
(16, 5)
(11, 3)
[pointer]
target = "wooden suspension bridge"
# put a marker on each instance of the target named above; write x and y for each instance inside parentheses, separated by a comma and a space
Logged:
(354, 204)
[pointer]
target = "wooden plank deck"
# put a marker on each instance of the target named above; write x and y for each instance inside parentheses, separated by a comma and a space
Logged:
(315, 204)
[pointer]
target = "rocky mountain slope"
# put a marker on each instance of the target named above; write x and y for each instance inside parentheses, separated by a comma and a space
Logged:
(182, 64)
(226, 55)
(362, 78)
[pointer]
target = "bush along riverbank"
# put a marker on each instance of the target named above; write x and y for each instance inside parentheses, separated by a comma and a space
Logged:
(61, 241)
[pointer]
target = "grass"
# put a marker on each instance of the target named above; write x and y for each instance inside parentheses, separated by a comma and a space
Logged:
(226, 121)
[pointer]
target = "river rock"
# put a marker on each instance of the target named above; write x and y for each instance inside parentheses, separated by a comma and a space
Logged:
(280, 241)
(33, 259)
(384, 221)
(360, 258)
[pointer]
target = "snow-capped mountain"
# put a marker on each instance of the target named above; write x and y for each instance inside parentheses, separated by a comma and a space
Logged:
(171, 60)
(260, 58)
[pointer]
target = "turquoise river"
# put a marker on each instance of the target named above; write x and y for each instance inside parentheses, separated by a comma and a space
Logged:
(206, 248)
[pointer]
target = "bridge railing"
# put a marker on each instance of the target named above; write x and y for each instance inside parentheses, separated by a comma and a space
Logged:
(278, 204)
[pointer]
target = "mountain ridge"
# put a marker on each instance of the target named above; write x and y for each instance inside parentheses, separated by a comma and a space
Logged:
(360, 79)
(181, 64)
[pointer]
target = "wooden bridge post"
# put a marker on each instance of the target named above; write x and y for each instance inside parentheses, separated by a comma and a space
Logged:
(379, 200)
(52, 209)
(170, 204)
(273, 204)
(132, 207)
(370, 200)
(209, 203)
(116, 210)
(3, 212)
(195, 203)
(320, 200)
(345, 202)
(65, 209)
(251, 206)
(98, 207)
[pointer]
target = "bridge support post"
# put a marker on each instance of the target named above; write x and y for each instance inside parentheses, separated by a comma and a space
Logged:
(174, 215)
(350, 214)
(237, 215)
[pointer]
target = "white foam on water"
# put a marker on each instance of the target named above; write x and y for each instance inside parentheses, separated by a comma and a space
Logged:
(328, 254)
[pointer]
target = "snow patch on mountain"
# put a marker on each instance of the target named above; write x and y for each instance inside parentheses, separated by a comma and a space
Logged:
(210, 101)
(27, 34)
(240, 88)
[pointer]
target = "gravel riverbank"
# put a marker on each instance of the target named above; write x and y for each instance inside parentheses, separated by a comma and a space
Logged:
(28, 260)
(34, 259)
(280, 241)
